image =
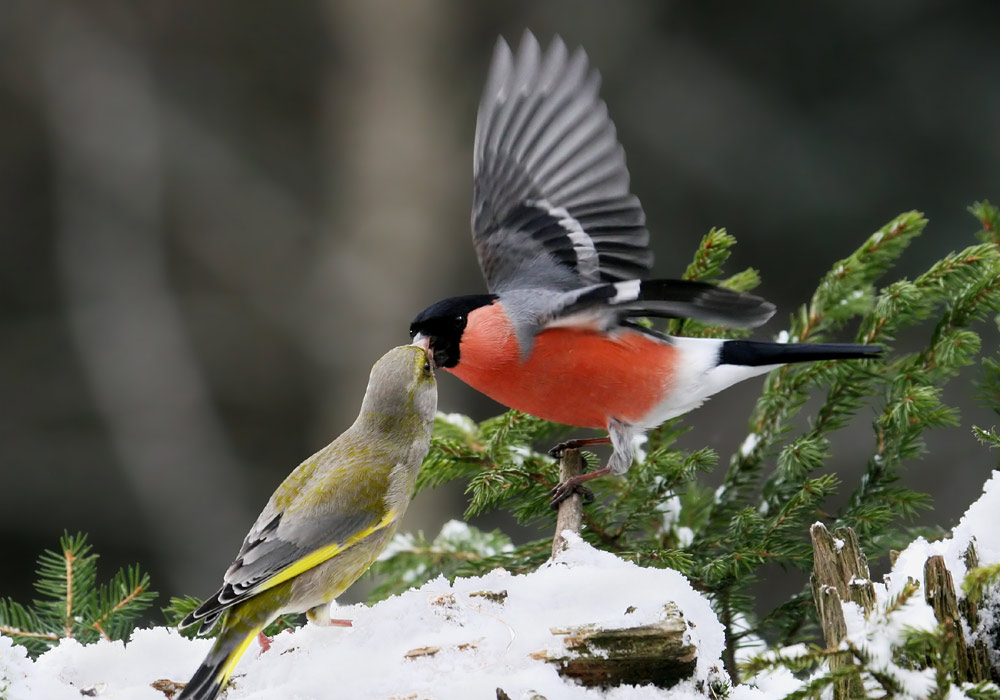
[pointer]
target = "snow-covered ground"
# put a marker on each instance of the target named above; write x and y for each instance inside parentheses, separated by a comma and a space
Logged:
(448, 641)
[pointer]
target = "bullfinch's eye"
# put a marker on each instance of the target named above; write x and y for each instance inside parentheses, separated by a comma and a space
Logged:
(413, 332)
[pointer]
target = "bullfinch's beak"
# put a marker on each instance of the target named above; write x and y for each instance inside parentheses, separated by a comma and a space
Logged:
(422, 341)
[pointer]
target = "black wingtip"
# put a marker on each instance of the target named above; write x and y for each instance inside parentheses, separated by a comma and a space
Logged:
(702, 301)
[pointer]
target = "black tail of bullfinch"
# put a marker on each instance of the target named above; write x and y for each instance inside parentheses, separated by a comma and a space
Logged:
(753, 353)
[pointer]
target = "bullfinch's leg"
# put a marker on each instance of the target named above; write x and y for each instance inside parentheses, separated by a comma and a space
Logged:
(320, 615)
(620, 435)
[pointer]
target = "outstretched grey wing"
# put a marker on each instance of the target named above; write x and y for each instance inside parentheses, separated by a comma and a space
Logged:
(551, 201)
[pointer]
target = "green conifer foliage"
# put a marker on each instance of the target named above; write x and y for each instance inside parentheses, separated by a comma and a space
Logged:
(72, 605)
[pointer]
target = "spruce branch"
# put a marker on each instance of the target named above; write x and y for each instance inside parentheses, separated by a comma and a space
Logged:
(72, 605)
(989, 219)
(988, 386)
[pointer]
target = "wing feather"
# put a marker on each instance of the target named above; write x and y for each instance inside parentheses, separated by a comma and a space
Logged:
(267, 558)
(551, 201)
(664, 298)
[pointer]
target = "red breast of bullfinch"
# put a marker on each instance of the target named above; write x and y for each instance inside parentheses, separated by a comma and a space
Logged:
(576, 376)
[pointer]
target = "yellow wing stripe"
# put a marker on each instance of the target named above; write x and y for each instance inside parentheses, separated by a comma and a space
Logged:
(322, 554)
(234, 657)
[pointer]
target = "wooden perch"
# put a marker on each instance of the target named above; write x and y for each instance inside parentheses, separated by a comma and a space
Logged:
(656, 653)
(840, 572)
(570, 515)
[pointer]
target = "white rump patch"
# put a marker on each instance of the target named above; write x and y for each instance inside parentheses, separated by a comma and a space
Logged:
(626, 291)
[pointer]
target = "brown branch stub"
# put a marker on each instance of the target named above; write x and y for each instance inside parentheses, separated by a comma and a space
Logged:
(839, 562)
(167, 687)
(979, 655)
(570, 514)
(648, 654)
(939, 592)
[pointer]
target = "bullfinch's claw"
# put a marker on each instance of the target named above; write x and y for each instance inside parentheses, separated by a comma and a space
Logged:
(557, 451)
(565, 489)
(574, 484)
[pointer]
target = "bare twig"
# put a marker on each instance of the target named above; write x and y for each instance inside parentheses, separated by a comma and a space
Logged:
(570, 515)
(15, 632)
(68, 622)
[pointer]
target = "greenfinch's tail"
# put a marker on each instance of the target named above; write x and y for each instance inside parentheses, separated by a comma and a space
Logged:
(208, 681)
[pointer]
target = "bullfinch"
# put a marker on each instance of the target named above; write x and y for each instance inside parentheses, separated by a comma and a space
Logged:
(563, 247)
(328, 520)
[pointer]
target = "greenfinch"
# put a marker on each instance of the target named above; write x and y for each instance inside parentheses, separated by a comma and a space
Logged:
(328, 521)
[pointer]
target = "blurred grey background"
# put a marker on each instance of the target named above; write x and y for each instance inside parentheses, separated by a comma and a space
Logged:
(216, 216)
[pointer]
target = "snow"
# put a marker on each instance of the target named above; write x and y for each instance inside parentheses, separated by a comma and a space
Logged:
(749, 444)
(466, 645)
(449, 641)
(460, 421)
(639, 447)
(671, 509)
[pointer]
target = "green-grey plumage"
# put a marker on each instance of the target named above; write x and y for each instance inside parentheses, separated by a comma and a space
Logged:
(328, 520)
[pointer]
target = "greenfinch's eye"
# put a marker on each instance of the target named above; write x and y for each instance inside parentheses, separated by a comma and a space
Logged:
(427, 367)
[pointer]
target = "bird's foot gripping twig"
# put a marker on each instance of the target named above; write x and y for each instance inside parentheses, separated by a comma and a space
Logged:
(557, 451)
(567, 488)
